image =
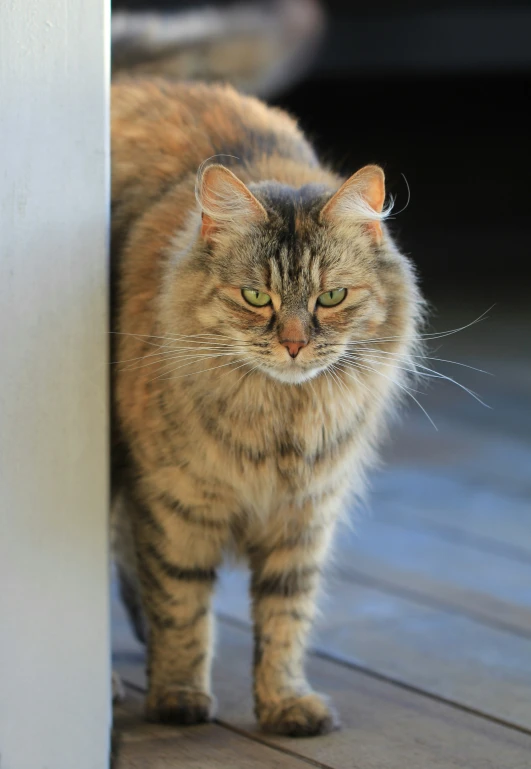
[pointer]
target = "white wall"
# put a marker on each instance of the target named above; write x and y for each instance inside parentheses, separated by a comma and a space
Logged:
(54, 667)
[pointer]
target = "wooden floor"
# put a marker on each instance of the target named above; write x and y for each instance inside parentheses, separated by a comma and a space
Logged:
(425, 638)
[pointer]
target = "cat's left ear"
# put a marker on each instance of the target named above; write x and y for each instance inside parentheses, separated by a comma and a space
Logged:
(226, 203)
(360, 199)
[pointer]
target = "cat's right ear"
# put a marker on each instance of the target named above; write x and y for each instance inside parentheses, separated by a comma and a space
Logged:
(226, 203)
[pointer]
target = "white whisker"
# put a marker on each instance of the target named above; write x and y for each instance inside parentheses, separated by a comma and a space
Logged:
(182, 337)
(401, 386)
(429, 372)
(429, 335)
(355, 359)
(246, 373)
(425, 357)
(309, 382)
(336, 374)
(192, 373)
(186, 353)
(188, 360)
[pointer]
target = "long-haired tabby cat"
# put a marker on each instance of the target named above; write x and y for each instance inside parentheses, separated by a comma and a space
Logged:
(262, 313)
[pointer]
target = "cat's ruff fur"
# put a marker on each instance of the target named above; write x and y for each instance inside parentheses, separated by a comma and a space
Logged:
(214, 448)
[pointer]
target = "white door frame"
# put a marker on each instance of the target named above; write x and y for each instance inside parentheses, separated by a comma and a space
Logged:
(54, 615)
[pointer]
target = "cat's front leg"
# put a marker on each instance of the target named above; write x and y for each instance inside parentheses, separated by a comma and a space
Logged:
(178, 553)
(284, 582)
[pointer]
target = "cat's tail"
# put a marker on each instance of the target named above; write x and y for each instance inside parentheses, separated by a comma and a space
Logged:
(259, 47)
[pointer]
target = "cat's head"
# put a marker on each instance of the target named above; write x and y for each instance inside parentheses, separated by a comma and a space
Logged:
(298, 275)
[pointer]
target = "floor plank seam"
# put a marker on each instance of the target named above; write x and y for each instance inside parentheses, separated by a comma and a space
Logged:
(457, 536)
(359, 578)
(339, 660)
(229, 727)
(374, 674)
(264, 741)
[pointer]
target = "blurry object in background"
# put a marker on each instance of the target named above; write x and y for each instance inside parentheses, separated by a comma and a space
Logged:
(261, 48)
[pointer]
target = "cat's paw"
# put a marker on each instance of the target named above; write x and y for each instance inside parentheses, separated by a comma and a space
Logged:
(180, 706)
(305, 716)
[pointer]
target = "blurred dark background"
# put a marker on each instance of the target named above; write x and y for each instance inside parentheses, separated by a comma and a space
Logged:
(437, 92)
(462, 142)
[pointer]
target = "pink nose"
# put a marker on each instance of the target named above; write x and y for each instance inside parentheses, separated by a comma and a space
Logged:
(294, 346)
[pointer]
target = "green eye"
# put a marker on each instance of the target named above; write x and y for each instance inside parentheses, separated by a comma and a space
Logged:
(256, 298)
(331, 298)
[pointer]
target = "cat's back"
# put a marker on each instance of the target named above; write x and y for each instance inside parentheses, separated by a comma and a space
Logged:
(161, 132)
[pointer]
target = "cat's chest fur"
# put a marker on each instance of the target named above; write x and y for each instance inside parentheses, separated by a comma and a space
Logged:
(268, 445)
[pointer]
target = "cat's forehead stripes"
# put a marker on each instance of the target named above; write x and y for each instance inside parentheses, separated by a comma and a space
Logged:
(293, 273)
(292, 265)
(293, 207)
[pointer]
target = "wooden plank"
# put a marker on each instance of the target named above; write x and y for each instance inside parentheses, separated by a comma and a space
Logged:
(139, 745)
(493, 588)
(488, 448)
(440, 652)
(384, 726)
(472, 477)
(506, 393)
(54, 209)
(473, 451)
(458, 511)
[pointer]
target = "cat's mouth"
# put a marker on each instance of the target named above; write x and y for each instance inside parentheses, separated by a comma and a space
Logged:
(280, 364)
(293, 372)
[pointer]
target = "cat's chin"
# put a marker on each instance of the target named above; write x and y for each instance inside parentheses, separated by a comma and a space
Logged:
(293, 375)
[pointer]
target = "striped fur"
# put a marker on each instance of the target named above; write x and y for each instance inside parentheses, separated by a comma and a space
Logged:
(241, 448)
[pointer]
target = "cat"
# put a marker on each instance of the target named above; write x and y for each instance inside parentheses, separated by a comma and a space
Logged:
(264, 320)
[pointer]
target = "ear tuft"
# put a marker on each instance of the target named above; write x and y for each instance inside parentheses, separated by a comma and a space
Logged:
(225, 202)
(361, 198)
